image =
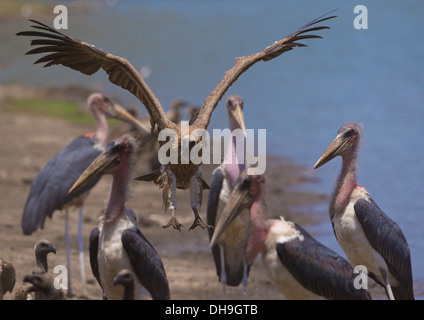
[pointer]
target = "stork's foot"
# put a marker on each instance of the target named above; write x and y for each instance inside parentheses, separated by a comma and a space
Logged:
(199, 223)
(173, 222)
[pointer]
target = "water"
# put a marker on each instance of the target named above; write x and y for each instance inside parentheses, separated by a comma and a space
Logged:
(373, 76)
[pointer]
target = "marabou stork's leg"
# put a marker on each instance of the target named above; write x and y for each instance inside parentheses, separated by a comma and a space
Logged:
(196, 192)
(81, 254)
(223, 273)
(172, 201)
(387, 286)
(245, 278)
(68, 253)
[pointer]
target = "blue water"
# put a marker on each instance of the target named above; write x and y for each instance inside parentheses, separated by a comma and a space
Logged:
(373, 76)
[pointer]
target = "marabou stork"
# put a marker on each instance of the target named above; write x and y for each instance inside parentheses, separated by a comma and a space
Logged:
(125, 128)
(118, 243)
(88, 59)
(49, 190)
(7, 277)
(297, 264)
(365, 233)
(125, 278)
(192, 113)
(228, 254)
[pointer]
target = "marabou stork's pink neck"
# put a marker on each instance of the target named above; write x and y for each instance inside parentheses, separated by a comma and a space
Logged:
(102, 131)
(258, 229)
(346, 182)
(119, 189)
(232, 167)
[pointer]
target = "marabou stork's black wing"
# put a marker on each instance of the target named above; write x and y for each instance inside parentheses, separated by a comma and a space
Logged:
(146, 263)
(213, 198)
(49, 190)
(386, 237)
(319, 269)
(93, 248)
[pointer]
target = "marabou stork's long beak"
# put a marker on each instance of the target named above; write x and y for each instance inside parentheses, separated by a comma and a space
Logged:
(123, 115)
(336, 148)
(240, 198)
(106, 161)
(237, 115)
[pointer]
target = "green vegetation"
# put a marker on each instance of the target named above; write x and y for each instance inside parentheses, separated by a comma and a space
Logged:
(66, 110)
(13, 8)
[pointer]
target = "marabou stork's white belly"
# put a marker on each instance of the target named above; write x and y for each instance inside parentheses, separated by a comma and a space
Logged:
(112, 258)
(353, 241)
(283, 231)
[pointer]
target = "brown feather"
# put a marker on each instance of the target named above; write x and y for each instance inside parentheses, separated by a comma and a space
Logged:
(88, 59)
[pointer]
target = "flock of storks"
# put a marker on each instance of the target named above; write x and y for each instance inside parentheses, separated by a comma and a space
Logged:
(126, 265)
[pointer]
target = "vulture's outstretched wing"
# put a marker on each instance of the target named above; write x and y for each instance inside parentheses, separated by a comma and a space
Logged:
(245, 62)
(86, 58)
